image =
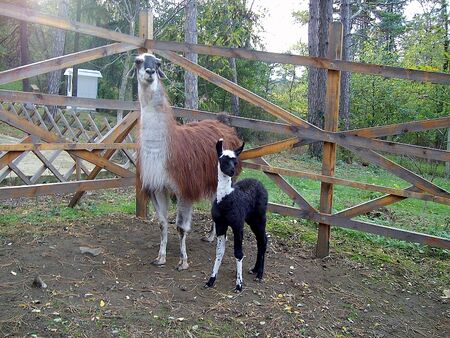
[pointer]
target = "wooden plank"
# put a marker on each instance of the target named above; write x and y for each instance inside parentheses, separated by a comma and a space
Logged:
(117, 134)
(64, 146)
(267, 149)
(357, 185)
(62, 62)
(236, 89)
(286, 187)
(20, 174)
(331, 120)
(300, 60)
(365, 207)
(29, 15)
(64, 188)
(307, 136)
(401, 172)
(404, 235)
(48, 165)
(142, 198)
(30, 128)
(400, 128)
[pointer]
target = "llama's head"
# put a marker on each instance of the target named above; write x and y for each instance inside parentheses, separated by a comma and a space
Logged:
(228, 158)
(148, 69)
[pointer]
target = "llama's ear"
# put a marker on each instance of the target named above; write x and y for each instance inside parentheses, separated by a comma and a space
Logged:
(219, 147)
(160, 73)
(238, 151)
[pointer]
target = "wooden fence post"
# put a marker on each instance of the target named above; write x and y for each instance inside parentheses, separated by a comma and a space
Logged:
(146, 32)
(331, 119)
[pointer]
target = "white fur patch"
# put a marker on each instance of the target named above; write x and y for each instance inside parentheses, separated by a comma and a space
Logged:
(229, 153)
(223, 185)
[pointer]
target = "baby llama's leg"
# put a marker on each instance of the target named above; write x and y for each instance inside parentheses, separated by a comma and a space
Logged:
(160, 201)
(183, 222)
(220, 251)
(238, 254)
(258, 226)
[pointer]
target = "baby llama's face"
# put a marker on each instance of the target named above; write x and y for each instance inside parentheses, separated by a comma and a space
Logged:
(147, 68)
(228, 163)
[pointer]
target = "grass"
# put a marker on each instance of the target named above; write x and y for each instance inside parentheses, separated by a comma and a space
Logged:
(432, 218)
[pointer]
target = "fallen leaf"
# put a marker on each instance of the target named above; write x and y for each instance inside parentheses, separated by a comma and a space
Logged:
(102, 303)
(446, 294)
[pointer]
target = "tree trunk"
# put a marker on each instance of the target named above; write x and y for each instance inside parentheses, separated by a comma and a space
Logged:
(344, 109)
(58, 39)
(234, 98)
(190, 36)
(76, 48)
(24, 51)
(320, 16)
(125, 71)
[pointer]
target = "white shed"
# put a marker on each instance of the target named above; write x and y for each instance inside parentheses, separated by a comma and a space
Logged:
(87, 82)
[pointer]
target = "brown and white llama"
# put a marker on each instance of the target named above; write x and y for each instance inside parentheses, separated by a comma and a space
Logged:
(178, 159)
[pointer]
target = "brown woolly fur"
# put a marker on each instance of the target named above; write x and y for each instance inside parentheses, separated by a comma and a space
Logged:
(193, 154)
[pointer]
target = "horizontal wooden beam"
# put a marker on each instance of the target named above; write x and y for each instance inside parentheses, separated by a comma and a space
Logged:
(306, 135)
(400, 128)
(61, 62)
(347, 66)
(348, 183)
(343, 222)
(64, 188)
(64, 146)
(30, 15)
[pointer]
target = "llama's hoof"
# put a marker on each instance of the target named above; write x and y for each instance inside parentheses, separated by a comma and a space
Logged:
(182, 265)
(251, 271)
(159, 261)
(210, 282)
(258, 279)
(238, 288)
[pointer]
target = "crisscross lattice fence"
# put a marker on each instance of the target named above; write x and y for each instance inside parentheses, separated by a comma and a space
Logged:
(92, 143)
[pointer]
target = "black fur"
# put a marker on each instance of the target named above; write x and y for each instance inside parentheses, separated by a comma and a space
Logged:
(246, 203)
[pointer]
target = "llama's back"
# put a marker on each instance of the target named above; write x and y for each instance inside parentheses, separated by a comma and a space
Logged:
(192, 163)
(254, 192)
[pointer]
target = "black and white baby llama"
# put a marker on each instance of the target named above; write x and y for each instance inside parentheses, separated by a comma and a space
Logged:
(245, 201)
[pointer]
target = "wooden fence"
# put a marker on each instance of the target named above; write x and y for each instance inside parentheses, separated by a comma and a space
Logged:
(88, 141)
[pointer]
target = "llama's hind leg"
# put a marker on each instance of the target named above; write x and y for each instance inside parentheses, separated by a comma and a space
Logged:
(160, 200)
(212, 232)
(183, 222)
(259, 229)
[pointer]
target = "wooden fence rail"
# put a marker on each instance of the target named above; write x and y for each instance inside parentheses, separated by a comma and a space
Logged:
(93, 145)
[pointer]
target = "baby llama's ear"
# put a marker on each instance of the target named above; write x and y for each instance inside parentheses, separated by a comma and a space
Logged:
(219, 147)
(238, 151)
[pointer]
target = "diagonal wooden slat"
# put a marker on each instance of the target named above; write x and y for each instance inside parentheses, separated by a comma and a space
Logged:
(48, 165)
(20, 174)
(117, 134)
(30, 128)
(62, 62)
(365, 207)
(400, 171)
(286, 187)
(268, 149)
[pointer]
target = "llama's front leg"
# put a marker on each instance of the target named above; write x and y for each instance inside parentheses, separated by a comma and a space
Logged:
(160, 200)
(183, 221)
(220, 251)
(239, 255)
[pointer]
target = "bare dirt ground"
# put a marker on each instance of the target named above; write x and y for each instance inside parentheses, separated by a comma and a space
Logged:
(119, 293)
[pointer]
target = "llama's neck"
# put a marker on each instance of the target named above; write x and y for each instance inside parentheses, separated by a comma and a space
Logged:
(156, 114)
(156, 125)
(224, 187)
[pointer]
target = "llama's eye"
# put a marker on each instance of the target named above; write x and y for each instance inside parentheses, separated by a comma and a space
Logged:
(138, 62)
